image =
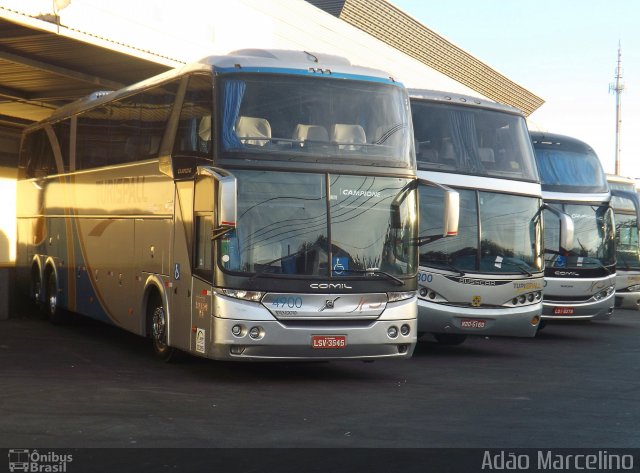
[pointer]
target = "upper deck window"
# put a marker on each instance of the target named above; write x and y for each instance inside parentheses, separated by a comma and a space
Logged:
(471, 140)
(568, 166)
(315, 119)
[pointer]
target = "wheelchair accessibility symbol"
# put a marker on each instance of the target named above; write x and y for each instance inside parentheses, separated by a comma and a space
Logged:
(339, 265)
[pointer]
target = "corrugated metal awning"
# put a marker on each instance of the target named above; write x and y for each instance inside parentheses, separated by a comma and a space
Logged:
(44, 65)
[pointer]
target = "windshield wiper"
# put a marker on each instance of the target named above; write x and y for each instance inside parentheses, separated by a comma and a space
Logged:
(377, 272)
(265, 273)
(447, 265)
(521, 267)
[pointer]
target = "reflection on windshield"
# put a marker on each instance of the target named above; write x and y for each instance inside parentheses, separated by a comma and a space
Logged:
(472, 141)
(593, 237)
(571, 166)
(315, 117)
(627, 252)
(283, 225)
(507, 242)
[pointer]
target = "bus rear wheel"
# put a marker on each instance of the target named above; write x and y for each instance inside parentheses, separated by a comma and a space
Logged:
(449, 338)
(158, 330)
(55, 314)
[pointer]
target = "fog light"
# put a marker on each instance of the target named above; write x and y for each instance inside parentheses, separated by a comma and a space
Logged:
(236, 350)
(405, 330)
(392, 332)
(432, 295)
(236, 330)
(255, 332)
(535, 319)
(403, 348)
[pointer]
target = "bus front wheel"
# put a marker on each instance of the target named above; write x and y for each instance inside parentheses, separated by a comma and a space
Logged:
(158, 321)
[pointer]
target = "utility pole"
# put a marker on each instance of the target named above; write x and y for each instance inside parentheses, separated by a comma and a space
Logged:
(617, 89)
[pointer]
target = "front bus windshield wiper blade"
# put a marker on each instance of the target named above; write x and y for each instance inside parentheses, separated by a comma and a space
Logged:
(521, 267)
(447, 265)
(377, 272)
(266, 273)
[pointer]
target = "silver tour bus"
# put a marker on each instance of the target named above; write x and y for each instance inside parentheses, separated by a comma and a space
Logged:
(579, 278)
(627, 245)
(255, 206)
(487, 280)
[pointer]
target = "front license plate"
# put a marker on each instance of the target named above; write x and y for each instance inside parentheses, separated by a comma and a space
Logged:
(563, 311)
(473, 323)
(328, 341)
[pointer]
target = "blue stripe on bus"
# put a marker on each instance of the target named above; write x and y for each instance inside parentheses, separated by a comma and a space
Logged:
(304, 72)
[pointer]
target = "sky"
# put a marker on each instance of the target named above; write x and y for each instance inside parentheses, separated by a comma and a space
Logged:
(564, 51)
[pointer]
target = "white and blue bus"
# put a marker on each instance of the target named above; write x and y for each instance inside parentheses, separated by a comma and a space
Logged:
(488, 280)
(579, 278)
(255, 206)
(627, 244)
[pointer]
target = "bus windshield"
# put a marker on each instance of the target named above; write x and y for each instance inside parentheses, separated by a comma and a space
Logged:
(315, 119)
(627, 252)
(498, 233)
(569, 167)
(287, 227)
(475, 141)
(594, 237)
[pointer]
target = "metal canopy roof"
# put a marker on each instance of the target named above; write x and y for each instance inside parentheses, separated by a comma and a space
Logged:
(44, 65)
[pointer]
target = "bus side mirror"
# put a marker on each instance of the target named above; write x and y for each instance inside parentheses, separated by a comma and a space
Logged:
(227, 204)
(566, 228)
(451, 203)
(451, 213)
(632, 197)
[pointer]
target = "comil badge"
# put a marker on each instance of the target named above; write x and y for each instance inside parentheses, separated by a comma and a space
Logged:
(476, 301)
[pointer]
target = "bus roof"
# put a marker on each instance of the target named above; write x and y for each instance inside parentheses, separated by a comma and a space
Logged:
(462, 100)
(253, 60)
(544, 137)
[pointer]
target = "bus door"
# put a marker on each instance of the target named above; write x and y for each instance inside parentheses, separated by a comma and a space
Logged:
(214, 215)
(179, 288)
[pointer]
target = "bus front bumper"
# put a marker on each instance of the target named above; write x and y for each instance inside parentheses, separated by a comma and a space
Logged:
(627, 300)
(509, 322)
(288, 342)
(600, 310)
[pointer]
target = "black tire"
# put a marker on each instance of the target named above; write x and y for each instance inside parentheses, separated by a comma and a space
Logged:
(35, 291)
(157, 319)
(55, 314)
(449, 338)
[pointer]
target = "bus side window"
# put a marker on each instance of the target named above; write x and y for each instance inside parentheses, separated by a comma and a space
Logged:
(92, 142)
(155, 108)
(204, 227)
(195, 128)
(62, 130)
(38, 155)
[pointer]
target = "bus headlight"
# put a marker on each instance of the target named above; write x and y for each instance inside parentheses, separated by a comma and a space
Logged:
(400, 296)
(430, 295)
(254, 296)
(604, 293)
(634, 288)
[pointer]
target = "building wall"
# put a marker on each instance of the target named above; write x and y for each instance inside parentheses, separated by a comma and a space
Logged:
(191, 29)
